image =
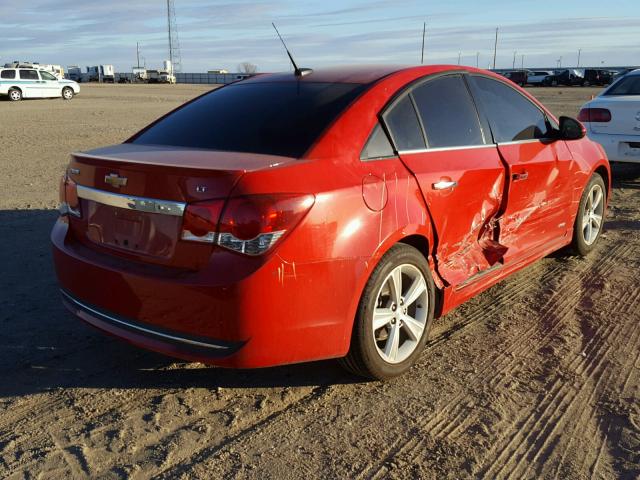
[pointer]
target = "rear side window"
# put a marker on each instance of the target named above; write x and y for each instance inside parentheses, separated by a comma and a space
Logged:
(378, 145)
(449, 117)
(29, 75)
(626, 86)
(279, 118)
(512, 116)
(8, 74)
(404, 126)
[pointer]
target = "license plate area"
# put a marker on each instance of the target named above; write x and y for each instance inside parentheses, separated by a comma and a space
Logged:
(132, 231)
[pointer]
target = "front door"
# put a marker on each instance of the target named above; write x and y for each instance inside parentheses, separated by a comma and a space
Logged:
(439, 137)
(537, 191)
(50, 85)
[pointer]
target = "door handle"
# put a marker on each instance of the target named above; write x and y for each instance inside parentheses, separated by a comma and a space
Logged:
(444, 184)
(520, 176)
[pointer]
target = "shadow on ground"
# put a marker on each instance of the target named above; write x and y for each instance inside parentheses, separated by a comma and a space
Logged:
(44, 347)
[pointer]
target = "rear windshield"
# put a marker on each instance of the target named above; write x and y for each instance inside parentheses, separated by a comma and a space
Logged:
(280, 118)
(626, 86)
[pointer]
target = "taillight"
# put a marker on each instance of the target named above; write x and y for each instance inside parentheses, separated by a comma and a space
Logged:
(201, 221)
(69, 203)
(249, 225)
(600, 115)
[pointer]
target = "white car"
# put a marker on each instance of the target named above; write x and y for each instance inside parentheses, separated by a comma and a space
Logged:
(540, 77)
(613, 119)
(19, 83)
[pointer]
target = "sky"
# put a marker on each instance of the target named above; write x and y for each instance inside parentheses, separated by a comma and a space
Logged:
(222, 34)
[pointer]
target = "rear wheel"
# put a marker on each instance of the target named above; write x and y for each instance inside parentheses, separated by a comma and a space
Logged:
(394, 316)
(67, 93)
(590, 218)
(15, 95)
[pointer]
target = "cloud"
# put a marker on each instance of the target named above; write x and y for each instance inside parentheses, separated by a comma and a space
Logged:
(222, 34)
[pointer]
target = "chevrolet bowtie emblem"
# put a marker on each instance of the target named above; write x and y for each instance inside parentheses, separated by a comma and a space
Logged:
(115, 180)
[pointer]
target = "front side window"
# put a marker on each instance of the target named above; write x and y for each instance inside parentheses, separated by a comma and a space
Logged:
(512, 116)
(275, 118)
(449, 117)
(404, 126)
(29, 75)
(378, 145)
(625, 86)
(8, 74)
(47, 76)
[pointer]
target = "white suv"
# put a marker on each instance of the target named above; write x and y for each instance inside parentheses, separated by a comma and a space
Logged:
(19, 83)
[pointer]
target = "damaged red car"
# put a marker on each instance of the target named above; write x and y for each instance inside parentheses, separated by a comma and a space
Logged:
(324, 214)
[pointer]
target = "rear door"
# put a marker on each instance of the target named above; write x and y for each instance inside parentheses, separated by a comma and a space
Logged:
(30, 84)
(538, 192)
(438, 134)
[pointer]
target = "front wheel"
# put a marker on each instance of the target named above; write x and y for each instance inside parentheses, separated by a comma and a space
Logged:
(590, 218)
(67, 93)
(394, 316)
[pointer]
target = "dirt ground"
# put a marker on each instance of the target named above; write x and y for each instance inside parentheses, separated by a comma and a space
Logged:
(539, 377)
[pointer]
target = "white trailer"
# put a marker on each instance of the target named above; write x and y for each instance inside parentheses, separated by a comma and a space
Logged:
(101, 73)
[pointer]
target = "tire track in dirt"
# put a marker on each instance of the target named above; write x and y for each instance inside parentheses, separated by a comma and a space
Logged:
(507, 358)
(115, 417)
(554, 318)
(537, 429)
(197, 456)
(580, 429)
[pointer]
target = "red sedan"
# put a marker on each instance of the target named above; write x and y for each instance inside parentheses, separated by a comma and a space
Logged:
(290, 218)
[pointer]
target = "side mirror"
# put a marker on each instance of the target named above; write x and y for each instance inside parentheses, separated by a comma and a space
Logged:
(571, 129)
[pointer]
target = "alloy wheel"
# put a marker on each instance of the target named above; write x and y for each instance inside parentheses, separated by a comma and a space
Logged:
(400, 316)
(593, 213)
(15, 95)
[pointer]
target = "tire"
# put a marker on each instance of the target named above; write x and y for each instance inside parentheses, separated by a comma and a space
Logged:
(554, 83)
(406, 326)
(15, 95)
(590, 217)
(586, 83)
(67, 93)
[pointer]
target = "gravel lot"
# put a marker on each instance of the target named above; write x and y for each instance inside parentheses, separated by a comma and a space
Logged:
(539, 377)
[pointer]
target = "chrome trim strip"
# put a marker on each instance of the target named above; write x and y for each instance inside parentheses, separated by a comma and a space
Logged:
(519, 142)
(141, 204)
(473, 278)
(446, 149)
(142, 329)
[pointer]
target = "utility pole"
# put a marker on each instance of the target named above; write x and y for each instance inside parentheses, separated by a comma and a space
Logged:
(514, 60)
(477, 59)
(579, 52)
(495, 49)
(138, 54)
(522, 63)
(424, 32)
(459, 57)
(170, 35)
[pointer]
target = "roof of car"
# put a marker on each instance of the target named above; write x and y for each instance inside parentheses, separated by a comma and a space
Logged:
(363, 74)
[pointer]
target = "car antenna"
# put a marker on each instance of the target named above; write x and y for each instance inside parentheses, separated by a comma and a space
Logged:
(299, 72)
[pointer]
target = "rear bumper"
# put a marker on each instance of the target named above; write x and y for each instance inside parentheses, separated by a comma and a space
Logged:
(236, 312)
(617, 146)
(147, 336)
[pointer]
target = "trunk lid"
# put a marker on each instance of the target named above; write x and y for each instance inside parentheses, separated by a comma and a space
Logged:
(132, 198)
(625, 115)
